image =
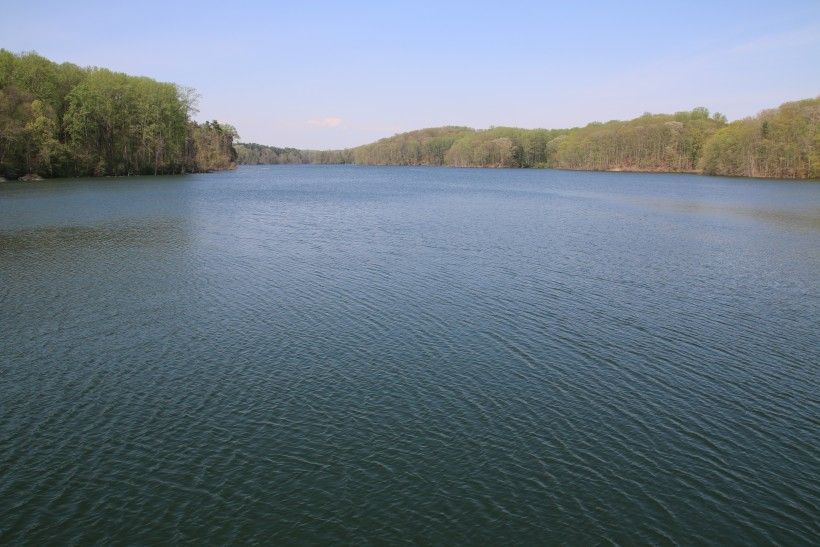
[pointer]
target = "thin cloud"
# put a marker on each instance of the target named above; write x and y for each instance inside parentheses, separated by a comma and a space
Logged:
(331, 121)
(796, 38)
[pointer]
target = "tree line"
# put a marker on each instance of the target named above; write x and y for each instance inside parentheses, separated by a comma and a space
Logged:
(64, 120)
(259, 154)
(779, 143)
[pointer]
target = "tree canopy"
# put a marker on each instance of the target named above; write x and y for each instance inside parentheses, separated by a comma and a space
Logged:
(63, 120)
(783, 143)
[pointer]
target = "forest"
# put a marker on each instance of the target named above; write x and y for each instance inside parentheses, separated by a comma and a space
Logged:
(779, 143)
(63, 120)
(258, 154)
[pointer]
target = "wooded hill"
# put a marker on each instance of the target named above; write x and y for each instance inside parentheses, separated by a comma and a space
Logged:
(259, 154)
(778, 143)
(64, 120)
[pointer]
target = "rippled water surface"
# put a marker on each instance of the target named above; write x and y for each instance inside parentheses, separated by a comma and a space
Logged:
(368, 355)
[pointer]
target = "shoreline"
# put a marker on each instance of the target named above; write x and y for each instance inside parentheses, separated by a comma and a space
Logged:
(496, 167)
(22, 180)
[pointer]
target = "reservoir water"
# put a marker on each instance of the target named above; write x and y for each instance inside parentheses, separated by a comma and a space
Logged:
(316, 354)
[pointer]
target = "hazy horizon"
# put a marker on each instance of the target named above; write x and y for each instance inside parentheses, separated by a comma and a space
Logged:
(328, 76)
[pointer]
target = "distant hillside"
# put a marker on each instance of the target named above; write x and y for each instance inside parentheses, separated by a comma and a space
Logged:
(259, 154)
(778, 143)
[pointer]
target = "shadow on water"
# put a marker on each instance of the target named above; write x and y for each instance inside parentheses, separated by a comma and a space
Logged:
(808, 218)
(146, 234)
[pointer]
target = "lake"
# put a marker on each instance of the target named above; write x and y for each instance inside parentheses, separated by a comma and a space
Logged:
(316, 354)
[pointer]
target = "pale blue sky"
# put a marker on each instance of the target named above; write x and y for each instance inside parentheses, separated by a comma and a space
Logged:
(335, 74)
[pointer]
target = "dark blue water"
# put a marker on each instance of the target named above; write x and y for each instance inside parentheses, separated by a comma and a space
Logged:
(364, 355)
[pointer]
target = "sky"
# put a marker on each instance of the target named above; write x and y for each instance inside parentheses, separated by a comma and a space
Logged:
(324, 75)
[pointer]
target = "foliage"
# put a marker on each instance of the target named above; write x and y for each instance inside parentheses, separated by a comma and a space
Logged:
(211, 146)
(258, 154)
(63, 120)
(777, 143)
(652, 142)
(782, 143)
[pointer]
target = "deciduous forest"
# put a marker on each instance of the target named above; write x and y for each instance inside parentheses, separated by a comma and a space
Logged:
(63, 120)
(779, 143)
